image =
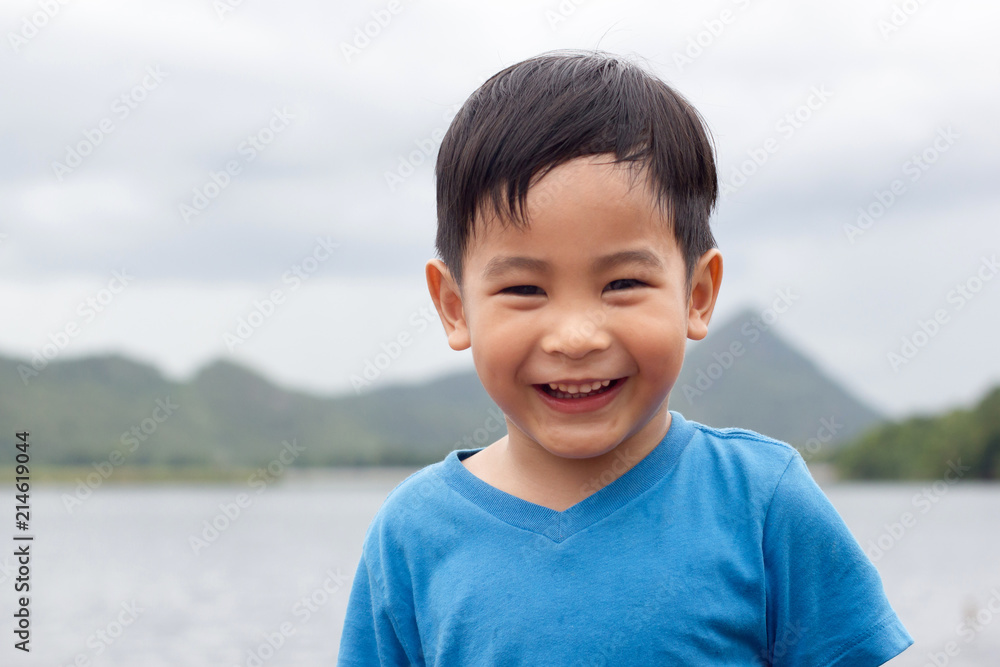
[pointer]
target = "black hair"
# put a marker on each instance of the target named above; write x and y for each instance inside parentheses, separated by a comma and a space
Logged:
(542, 112)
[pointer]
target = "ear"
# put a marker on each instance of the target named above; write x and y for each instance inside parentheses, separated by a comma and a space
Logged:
(448, 301)
(705, 282)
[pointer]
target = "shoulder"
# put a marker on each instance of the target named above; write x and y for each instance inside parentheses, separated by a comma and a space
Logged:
(424, 483)
(415, 505)
(769, 473)
(737, 467)
(743, 440)
(742, 452)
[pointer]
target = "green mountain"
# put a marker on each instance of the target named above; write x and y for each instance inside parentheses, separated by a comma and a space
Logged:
(81, 411)
(78, 411)
(743, 374)
(961, 444)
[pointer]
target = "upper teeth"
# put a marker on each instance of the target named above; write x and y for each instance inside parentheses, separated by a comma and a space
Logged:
(579, 389)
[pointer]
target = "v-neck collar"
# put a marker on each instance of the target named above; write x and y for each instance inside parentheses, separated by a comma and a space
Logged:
(557, 526)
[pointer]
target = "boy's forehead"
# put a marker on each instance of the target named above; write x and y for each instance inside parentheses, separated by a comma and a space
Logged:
(610, 184)
(590, 170)
(578, 197)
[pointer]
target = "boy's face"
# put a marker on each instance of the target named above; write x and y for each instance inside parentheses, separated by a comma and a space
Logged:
(592, 292)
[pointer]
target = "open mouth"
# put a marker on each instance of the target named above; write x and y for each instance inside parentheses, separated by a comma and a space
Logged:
(602, 388)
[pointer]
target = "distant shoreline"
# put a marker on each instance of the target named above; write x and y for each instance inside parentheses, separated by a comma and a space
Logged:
(58, 475)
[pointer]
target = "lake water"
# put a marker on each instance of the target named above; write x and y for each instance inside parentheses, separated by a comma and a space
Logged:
(117, 581)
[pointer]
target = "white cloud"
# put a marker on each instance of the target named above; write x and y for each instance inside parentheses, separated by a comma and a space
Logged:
(325, 175)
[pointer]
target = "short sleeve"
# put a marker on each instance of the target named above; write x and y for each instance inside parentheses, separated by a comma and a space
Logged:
(369, 637)
(825, 601)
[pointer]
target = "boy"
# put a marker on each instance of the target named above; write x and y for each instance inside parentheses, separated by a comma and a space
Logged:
(574, 195)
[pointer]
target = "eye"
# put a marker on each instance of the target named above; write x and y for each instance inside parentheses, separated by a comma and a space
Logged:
(624, 283)
(523, 290)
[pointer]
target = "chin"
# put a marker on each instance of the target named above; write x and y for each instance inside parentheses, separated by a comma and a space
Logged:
(578, 450)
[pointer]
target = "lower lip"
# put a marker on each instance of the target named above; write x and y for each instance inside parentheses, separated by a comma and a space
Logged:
(575, 405)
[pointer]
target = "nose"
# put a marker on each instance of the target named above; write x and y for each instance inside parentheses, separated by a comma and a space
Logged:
(576, 335)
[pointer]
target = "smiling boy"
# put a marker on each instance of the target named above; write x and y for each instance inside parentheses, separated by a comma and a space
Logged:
(574, 196)
(591, 298)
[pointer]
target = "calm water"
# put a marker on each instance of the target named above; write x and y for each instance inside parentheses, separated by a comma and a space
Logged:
(117, 582)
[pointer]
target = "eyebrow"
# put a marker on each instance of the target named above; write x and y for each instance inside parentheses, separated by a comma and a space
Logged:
(501, 264)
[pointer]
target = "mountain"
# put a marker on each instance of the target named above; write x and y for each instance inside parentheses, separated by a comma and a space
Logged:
(79, 411)
(743, 374)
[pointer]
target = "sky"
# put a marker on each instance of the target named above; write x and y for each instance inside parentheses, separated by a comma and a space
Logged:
(191, 180)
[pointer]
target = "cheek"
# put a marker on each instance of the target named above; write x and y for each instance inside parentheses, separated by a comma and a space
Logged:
(497, 354)
(659, 358)
(658, 347)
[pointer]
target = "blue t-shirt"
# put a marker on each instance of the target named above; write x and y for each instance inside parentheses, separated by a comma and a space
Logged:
(717, 548)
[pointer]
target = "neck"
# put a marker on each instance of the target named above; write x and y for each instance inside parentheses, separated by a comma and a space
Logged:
(518, 465)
